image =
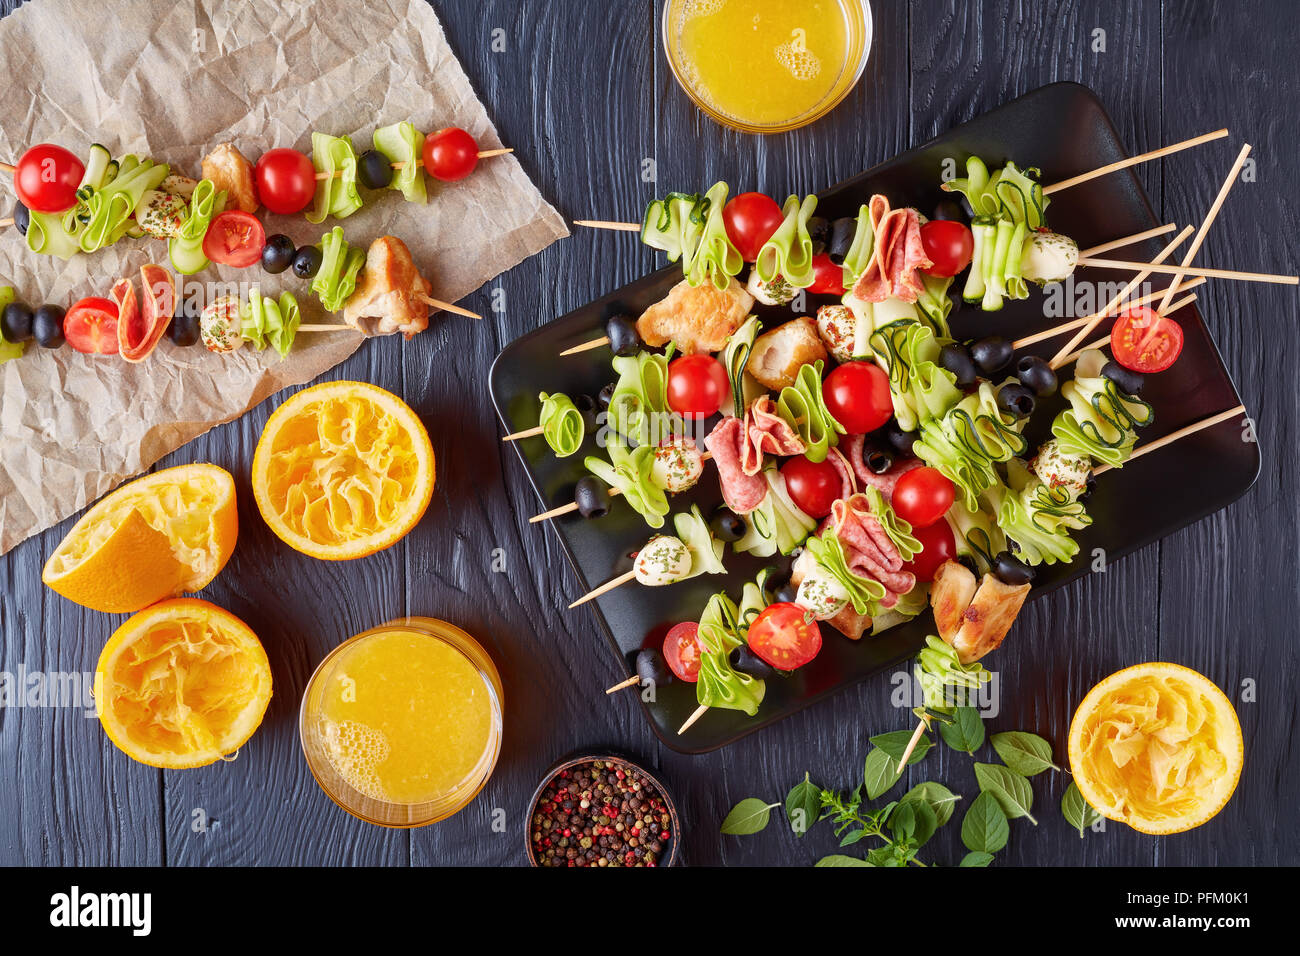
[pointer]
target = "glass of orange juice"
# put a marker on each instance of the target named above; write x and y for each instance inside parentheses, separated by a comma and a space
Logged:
(764, 66)
(401, 724)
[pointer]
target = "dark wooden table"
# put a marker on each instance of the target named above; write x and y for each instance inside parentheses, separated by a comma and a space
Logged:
(583, 92)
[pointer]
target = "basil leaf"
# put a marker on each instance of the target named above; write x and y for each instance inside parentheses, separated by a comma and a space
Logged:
(1025, 753)
(895, 743)
(924, 820)
(883, 856)
(984, 829)
(839, 859)
(902, 822)
(880, 772)
(1076, 810)
(976, 858)
(853, 837)
(748, 816)
(1009, 788)
(966, 732)
(941, 800)
(803, 805)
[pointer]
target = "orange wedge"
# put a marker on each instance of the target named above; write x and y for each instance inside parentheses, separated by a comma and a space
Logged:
(1157, 746)
(155, 537)
(182, 684)
(342, 470)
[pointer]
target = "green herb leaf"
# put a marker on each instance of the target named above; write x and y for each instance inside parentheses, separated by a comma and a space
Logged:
(941, 800)
(976, 858)
(966, 732)
(1025, 753)
(895, 743)
(1076, 810)
(984, 829)
(748, 816)
(852, 837)
(1009, 788)
(902, 822)
(839, 859)
(884, 856)
(803, 805)
(880, 772)
(924, 820)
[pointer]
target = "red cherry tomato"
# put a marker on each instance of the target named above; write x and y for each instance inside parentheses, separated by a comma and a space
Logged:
(682, 651)
(948, 244)
(785, 635)
(235, 238)
(813, 486)
(857, 394)
(750, 219)
(286, 181)
(46, 178)
(450, 154)
(1145, 341)
(697, 385)
(937, 546)
(91, 326)
(828, 278)
(922, 496)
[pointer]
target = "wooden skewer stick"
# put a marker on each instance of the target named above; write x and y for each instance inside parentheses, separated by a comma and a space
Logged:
(604, 588)
(526, 433)
(6, 223)
(921, 728)
(1105, 341)
(1127, 240)
(1114, 303)
(482, 154)
(448, 307)
(699, 712)
(1134, 161)
(1180, 271)
(1076, 323)
(330, 327)
(573, 505)
(1175, 436)
(587, 346)
(634, 679)
(606, 224)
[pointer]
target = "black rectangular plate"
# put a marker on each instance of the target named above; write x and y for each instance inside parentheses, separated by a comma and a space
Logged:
(1063, 130)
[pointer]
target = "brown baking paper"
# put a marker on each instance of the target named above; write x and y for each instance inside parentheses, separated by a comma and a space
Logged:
(170, 80)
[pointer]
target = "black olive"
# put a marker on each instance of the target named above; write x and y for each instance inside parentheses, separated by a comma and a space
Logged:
(623, 337)
(184, 328)
(586, 406)
(747, 662)
(842, 233)
(956, 359)
(374, 169)
(898, 439)
(819, 231)
(606, 395)
(1035, 374)
(47, 326)
(949, 209)
(651, 667)
(22, 218)
(591, 497)
(307, 262)
(786, 593)
(727, 525)
(877, 459)
(991, 355)
(968, 562)
(1009, 569)
(1125, 379)
(277, 254)
(1090, 484)
(16, 322)
(1015, 400)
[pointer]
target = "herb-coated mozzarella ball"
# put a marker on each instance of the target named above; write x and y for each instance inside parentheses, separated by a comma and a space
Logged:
(1049, 257)
(822, 595)
(837, 325)
(677, 465)
(221, 325)
(1056, 469)
(663, 560)
(776, 292)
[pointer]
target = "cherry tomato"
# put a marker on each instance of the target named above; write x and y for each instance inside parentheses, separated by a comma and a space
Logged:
(46, 178)
(450, 154)
(814, 486)
(1145, 341)
(948, 244)
(91, 326)
(682, 651)
(857, 394)
(785, 635)
(922, 496)
(697, 385)
(235, 238)
(286, 181)
(751, 218)
(937, 546)
(828, 278)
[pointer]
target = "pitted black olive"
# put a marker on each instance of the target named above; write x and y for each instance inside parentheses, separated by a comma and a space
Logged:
(1125, 379)
(623, 337)
(819, 231)
(727, 525)
(605, 395)
(747, 662)
(652, 668)
(1036, 375)
(1009, 569)
(841, 241)
(587, 408)
(1015, 400)
(877, 458)
(591, 497)
(956, 358)
(991, 355)
(786, 593)
(949, 209)
(898, 439)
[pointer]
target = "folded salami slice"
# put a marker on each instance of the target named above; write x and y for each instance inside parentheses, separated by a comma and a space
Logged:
(868, 549)
(853, 445)
(896, 256)
(766, 431)
(848, 481)
(742, 492)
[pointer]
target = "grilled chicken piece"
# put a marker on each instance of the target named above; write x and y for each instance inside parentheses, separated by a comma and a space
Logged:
(229, 170)
(984, 620)
(698, 319)
(953, 589)
(779, 354)
(386, 299)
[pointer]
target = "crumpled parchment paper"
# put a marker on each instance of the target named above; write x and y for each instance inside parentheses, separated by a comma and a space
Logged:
(170, 80)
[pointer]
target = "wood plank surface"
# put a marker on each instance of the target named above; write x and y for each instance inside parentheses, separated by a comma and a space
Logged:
(590, 106)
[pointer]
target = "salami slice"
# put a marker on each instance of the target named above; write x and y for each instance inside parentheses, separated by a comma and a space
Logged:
(896, 256)
(742, 492)
(848, 481)
(766, 432)
(869, 551)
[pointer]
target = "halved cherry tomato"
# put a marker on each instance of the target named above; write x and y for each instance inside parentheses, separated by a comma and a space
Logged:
(922, 496)
(682, 651)
(1146, 341)
(857, 394)
(949, 245)
(828, 278)
(813, 486)
(785, 635)
(91, 326)
(750, 220)
(46, 178)
(937, 546)
(286, 181)
(449, 154)
(697, 385)
(235, 238)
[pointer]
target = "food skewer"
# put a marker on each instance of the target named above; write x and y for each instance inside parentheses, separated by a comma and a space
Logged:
(482, 154)
(572, 505)
(634, 679)
(1103, 342)
(1076, 323)
(699, 712)
(1203, 272)
(1127, 240)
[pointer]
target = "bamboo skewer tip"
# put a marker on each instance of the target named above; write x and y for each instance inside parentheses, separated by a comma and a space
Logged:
(690, 721)
(604, 588)
(634, 679)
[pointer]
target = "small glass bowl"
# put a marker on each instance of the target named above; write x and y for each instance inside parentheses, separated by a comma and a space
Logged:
(382, 812)
(857, 15)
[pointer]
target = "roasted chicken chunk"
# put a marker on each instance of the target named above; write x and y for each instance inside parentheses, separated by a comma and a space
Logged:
(779, 354)
(974, 620)
(698, 318)
(229, 170)
(387, 297)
